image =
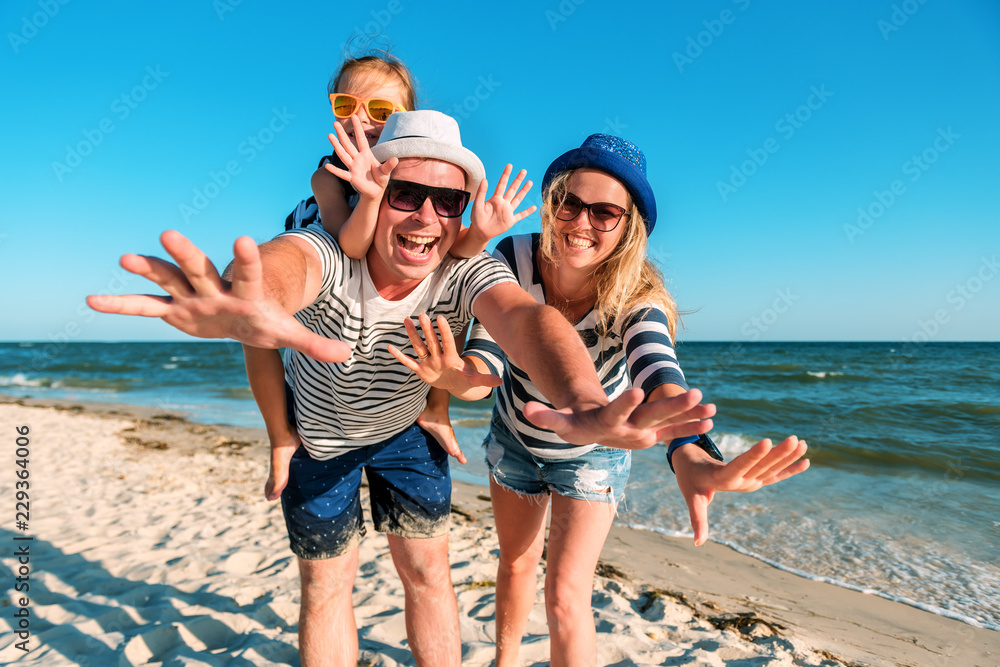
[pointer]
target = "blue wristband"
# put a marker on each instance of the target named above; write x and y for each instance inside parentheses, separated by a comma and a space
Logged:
(702, 441)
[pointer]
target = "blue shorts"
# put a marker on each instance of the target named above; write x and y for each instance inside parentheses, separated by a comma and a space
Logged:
(408, 483)
(599, 475)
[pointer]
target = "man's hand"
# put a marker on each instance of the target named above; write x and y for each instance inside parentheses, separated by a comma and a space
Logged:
(626, 422)
(439, 364)
(202, 304)
(699, 476)
(492, 218)
(368, 176)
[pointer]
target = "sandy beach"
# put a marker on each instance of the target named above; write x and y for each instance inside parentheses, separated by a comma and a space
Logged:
(151, 543)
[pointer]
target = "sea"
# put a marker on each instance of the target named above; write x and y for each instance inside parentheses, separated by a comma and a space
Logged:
(902, 499)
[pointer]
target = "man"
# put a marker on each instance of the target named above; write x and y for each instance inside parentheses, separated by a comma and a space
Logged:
(355, 405)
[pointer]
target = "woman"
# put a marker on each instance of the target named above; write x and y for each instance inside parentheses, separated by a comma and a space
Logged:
(590, 263)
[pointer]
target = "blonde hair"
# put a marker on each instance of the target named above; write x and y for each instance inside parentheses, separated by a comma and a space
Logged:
(376, 67)
(627, 278)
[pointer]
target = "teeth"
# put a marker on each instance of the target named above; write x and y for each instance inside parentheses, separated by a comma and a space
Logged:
(577, 242)
(418, 239)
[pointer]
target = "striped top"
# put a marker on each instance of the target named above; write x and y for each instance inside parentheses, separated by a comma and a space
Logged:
(637, 351)
(371, 396)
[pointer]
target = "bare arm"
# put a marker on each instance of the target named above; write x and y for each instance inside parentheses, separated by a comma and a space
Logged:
(329, 194)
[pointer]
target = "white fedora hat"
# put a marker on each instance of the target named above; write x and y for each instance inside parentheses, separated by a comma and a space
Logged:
(428, 134)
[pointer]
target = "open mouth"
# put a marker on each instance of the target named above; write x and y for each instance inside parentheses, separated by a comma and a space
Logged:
(578, 242)
(416, 246)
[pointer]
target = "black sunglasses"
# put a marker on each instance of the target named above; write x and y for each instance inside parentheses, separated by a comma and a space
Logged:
(408, 196)
(604, 217)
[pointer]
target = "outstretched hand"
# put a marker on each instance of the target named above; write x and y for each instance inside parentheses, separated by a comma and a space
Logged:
(626, 422)
(700, 476)
(438, 362)
(494, 217)
(368, 176)
(202, 304)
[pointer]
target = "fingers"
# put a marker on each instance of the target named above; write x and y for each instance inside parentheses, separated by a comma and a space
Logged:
(447, 339)
(511, 192)
(790, 471)
(480, 199)
(168, 276)
(780, 458)
(668, 409)
(405, 360)
(315, 346)
(343, 147)
(502, 183)
(525, 213)
(418, 344)
(247, 270)
(618, 411)
(684, 429)
(698, 513)
(143, 305)
(545, 417)
(385, 169)
(197, 268)
(446, 438)
(430, 338)
(338, 172)
(359, 133)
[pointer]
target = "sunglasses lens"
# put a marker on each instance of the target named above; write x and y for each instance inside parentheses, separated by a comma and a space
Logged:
(379, 110)
(605, 215)
(344, 106)
(570, 207)
(450, 203)
(405, 197)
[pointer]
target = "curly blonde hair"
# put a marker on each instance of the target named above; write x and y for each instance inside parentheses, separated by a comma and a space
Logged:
(627, 278)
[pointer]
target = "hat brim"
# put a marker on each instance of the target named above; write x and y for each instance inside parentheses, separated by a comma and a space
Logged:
(620, 168)
(424, 147)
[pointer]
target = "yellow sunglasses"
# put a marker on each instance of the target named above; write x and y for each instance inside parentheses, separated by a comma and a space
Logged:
(345, 106)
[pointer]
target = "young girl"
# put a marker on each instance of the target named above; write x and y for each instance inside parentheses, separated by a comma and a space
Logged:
(590, 263)
(366, 90)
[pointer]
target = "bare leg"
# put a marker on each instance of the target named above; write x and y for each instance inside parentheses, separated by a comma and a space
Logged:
(431, 607)
(576, 537)
(328, 635)
(521, 530)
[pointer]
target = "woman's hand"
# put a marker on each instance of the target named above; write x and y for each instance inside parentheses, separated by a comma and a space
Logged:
(368, 176)
(439, 364)
(699, 476)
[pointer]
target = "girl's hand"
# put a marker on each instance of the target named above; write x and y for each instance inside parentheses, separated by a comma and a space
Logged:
(438, 362)
(368, 176)
(700, 476)
(494, 217)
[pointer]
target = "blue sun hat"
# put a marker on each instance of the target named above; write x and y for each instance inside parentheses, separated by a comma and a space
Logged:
(619, 158)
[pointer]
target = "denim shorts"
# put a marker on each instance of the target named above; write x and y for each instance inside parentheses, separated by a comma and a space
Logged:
(599, 475)
(408, 483)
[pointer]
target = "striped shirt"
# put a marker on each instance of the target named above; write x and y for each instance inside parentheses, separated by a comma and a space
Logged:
(371, 396)
(636, 352)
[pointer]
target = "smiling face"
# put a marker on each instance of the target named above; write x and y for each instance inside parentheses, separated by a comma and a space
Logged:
(408, 246)
(577, 244)
(365, 86)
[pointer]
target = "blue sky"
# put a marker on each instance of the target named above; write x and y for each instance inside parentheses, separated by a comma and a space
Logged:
(823, 172)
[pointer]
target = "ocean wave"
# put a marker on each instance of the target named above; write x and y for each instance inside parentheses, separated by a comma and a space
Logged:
(21, 380)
